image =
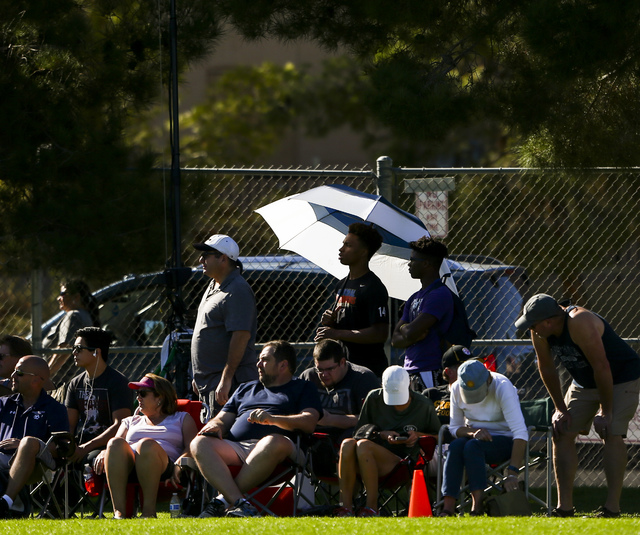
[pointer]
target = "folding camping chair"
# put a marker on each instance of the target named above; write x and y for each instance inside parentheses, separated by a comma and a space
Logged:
(322, 471)
(193, 491)
(50, 497)
(281, 494)
(537, 416)
(394, 488)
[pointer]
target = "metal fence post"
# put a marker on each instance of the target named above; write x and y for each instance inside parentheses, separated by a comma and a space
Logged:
(385, 178)
(385, 186)
(36, 309)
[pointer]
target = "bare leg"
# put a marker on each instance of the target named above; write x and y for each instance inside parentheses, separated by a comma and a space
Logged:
(151, 462)
(118, 463)
(374, 461)
(565, 464)
(262, 461)
(347, 471)
(213, 457)
(23, 466)
(614, 457)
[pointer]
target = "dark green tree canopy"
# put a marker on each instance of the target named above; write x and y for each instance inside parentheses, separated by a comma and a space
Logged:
(72, 75)
(559, 76)
(558, 79)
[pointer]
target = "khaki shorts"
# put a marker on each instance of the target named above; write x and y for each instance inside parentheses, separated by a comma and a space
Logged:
(245, 447)
(584, 404)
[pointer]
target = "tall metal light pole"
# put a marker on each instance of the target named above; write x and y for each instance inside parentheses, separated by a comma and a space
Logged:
(175, 139)
(175, 272)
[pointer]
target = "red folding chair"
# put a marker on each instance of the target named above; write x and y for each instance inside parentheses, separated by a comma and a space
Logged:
(394, 488)
(280, 494)
(199, 411)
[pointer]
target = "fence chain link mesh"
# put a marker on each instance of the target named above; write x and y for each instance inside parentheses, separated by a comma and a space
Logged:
(571, 234)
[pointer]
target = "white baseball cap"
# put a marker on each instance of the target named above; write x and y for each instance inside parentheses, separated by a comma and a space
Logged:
(221, 243)
(395, 385)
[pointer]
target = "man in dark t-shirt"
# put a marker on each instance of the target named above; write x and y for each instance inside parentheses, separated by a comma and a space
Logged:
(98, 398)
(342, 386)
(255, 429)
(360, 317)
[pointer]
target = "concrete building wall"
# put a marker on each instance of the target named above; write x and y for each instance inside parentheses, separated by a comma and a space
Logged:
(342, 147)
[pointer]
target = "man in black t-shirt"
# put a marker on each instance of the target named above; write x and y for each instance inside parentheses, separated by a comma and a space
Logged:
(360, 316)
(97, 399)
(342, 387)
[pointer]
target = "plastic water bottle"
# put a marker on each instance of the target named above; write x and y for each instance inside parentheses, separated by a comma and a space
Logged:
(90, 481)
(175, 507)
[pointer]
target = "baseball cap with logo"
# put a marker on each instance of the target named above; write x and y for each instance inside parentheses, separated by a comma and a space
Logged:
(221, 243)
(395, 385)
(455, 355)
(472, 378)
(538, 308)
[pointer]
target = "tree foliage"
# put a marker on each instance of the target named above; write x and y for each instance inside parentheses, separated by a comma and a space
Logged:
(73, 74)
(560, 77)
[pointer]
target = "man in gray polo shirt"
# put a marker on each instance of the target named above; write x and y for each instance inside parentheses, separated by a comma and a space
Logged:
(223, 346)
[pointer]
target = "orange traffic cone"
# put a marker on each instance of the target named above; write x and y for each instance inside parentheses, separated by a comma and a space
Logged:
(419, 503)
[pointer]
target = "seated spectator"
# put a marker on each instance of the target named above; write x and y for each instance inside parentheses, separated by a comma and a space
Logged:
(441, 395)
(402, 417)
(97, 399)
(12, 349)
(256, 430)
(147, 445)
(342, 387)
(27, 420)
(489, 428)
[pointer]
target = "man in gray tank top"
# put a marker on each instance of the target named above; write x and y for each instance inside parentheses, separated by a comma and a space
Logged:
(604, 392)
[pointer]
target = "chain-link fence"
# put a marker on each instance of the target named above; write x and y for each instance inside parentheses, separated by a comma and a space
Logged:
(511, 232)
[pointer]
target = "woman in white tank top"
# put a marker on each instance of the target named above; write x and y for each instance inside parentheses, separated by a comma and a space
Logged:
(148, 444)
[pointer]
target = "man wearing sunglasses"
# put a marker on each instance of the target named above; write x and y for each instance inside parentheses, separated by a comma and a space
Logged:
(12, 349)
(99, 398)
(223, 351)
(27, 420)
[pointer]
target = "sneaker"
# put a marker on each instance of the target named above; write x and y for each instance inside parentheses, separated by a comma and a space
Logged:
(343, 512)
(367, 511)
(5, 510)
(242, 508)
(213, 509)
(602, 512)
(563, 513)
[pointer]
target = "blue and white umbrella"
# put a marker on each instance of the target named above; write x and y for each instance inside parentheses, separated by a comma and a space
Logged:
(315, 222)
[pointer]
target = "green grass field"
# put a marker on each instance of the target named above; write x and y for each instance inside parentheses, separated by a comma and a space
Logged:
(586, 499)
(378, 526)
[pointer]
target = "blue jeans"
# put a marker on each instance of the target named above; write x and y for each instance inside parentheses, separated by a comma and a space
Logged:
(473, 455)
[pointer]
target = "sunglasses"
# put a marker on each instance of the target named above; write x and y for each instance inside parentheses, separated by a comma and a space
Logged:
(77, 349)
(143, 393)
(20, 373)
(3, 355)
